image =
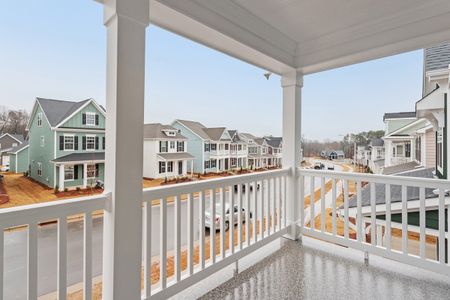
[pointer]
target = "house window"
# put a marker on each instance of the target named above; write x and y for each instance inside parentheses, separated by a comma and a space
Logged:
(39, 169)
(42, 141)
(14, 144)
(91, 171)
(69, 141)
(180, 147)
(39, 119)
(419, 148)
(162, 146)
(90, 142)
(408, 150)
(172, 144)
(170, 166)
(213, 163)
(162, 167)
(207, 147)
(207, 164)
(399, 150)
(213, 147)
(90, 119)
(69, 173)
(103, 143)
(226, 146)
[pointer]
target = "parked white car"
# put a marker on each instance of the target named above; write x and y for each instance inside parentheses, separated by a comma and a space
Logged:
(4, 168)
(217, 219)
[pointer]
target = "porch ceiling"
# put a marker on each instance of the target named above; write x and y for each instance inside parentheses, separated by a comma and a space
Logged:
(308, 35)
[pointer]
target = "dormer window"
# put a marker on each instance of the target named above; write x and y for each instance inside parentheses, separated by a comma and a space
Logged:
(90, 119)
(170, 132)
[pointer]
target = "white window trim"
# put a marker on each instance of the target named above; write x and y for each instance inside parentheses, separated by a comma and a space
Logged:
(39, 167)
(90, 136)
(73, 142)
(39, 119)
(90, 114)
(66, 167)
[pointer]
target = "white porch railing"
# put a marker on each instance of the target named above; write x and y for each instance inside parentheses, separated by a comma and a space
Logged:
(261, 195)
(363, 218)
(31, 216)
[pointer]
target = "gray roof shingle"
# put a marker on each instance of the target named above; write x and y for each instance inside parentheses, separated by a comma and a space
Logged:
(85, 156)
(376, 142)
(19, 147)
(409, 166)
(437, 57)
(396, 191)
(58, 110)
(399, 115)
(156, 131)
(215, 133)
(274, 141)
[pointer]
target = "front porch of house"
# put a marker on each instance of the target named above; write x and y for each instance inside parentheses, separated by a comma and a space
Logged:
(171, 165)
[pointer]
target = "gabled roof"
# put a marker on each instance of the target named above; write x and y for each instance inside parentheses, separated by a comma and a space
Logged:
(409, 129)
(78, 157)
(19, 148)
(399, 115)
(156, 131)
(409, 166)
(437, 57)
(195, 127)
(215, 134)
(273, 141)
(247, 136)
(376, 142)
(17, 137)
(260, 141)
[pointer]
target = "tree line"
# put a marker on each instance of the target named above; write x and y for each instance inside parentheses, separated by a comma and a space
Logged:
(13, 121)
(315, 147)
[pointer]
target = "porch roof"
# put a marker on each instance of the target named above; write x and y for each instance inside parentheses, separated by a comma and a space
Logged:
(409, 166)
(81, 157)
(176, 156)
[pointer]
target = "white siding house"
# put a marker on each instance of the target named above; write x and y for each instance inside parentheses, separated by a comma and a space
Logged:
(165, 152)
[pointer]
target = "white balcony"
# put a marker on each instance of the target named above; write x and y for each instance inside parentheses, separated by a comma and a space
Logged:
(163, 227)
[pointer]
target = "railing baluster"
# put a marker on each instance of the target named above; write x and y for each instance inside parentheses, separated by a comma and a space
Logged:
(190, 226)
(322, 204)
(177, 235)
(359, 216)
(311, 203)
(223, 221)
(163, 243)
(2, 245)
(373, 225)
(278, 196)
(87, 256)
(232, 222)
(202, 258)
(404, 221)
(346, 218)
(62, 258)
(441, 226)
(333, 197)
(284, 203)
(269, 208)
(212, 228)
(302, 199)
(255, 211)
(422, 222)
(240, 216)
(247, 214)
(388, 217)
(32, 261)
(263, 199)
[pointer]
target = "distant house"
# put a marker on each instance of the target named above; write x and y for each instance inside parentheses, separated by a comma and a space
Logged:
(66, 143)
(7, 143)
(375, 160)
(238, 151)
(332, 154)
(258, 151)
(209, 146)
(19, 160)
(275, 150)
(165, 152)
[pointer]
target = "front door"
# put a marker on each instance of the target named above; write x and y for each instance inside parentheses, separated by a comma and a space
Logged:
(180, 167)
(226, 163)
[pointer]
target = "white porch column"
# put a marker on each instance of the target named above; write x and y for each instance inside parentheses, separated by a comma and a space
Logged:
(125, 21)
(84, 175)
(192, 167)
(61, 178)
(292, 83)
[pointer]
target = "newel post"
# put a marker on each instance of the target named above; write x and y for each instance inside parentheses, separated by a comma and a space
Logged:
(292, 83)
(125, 21)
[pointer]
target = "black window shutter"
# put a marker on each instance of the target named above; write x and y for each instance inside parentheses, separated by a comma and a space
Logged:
(96, 143)
(84, 143)
(76, 143)
(82, 170)
(160, 147)
(103, 143)
(75, 172)
(96, 119)
(61, 142)
(84, 119)
(97, 168)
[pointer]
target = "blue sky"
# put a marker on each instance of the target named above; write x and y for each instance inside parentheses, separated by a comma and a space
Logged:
(56, 49)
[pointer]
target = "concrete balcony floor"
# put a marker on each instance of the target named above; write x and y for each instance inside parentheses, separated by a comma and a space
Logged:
(319, 270)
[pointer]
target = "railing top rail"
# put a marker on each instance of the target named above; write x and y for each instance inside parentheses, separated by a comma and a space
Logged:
(196, 186)
(377, 178)
(35, 213)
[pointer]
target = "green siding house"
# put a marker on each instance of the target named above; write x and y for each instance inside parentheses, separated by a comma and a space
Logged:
(19, 158)
(67, 143)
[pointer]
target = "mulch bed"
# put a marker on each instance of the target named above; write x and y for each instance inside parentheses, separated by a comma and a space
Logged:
(179, 180)
(4, 198)
(82, 192)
